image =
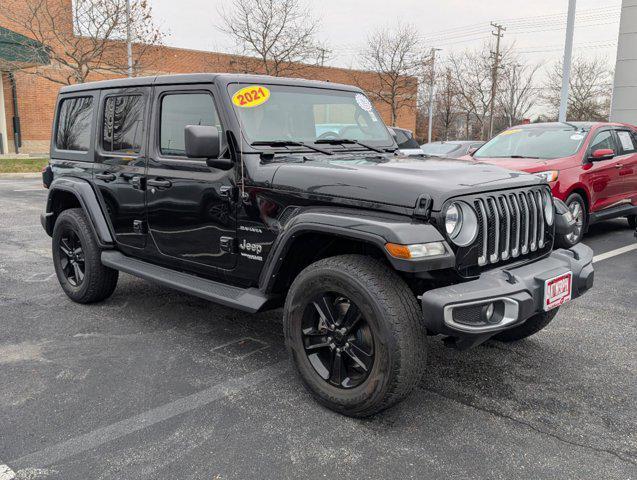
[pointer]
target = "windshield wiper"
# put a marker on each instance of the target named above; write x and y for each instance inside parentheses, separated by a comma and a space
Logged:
(290, 143)
(347, 141)
(523, 156)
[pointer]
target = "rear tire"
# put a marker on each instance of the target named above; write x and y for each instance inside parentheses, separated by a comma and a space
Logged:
(577, 206)
(632, 221)
(76, 258)
(528, 328)
(389, 337)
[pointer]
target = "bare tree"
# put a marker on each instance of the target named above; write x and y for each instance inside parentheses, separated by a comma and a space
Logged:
(446, 103)
(472, 72)
(395, 56)
(279, 33)
(516, 93)
(92, 41)
(590, 89)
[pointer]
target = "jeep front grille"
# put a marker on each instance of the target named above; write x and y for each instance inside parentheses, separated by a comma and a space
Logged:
(511, 226)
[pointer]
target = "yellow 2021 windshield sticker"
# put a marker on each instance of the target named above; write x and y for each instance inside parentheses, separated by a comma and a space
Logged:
(251, 96)
(510, 132)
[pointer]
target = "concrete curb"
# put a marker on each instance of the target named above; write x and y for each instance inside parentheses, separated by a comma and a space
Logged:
(4, 176)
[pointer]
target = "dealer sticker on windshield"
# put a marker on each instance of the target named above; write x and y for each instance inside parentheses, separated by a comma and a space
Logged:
(557, 290)
(251, 96)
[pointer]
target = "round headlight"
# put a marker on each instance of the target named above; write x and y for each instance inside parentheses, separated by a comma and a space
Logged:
(461, 224)
(453, 220)
(549, 213)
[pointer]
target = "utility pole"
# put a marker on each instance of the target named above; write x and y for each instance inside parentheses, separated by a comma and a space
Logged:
(322, 52)
(513, 85)
(431, 91)
(494, 74)
(566, 64)
(129, 44)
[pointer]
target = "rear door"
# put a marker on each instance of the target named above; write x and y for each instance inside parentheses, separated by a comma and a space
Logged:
(120, 159)
(602, 176)
(191, 215)
(627, 164)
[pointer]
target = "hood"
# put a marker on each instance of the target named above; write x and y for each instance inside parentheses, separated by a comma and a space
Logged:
(395, 180)
(522, 164)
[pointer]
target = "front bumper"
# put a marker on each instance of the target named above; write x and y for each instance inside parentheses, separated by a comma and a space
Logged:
(518, 294)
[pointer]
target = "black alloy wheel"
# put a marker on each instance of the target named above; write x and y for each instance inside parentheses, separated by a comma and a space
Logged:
(72, 258)
(338, 341)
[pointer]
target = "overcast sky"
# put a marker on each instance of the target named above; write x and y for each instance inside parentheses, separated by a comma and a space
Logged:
(536, 26)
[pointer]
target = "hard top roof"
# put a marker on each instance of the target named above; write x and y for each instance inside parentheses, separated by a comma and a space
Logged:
(186, 78)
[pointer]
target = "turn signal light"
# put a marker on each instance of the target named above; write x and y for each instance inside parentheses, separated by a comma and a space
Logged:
(415, 251)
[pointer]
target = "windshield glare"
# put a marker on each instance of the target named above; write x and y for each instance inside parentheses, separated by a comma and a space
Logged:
(542, 143)
(302, 114)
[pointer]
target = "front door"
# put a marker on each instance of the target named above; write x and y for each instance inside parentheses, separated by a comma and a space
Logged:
(119, 169)
(602, 175)
(191, 214)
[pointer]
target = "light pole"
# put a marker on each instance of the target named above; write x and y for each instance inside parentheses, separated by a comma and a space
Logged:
(129, 45)
(566, 64)
(431, 91)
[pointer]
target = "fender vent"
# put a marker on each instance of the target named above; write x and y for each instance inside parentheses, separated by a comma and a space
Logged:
(287, 214)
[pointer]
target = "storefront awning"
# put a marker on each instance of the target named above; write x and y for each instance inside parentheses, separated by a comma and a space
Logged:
(18, 51)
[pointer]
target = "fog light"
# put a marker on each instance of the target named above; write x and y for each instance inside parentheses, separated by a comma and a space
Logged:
(487, 312)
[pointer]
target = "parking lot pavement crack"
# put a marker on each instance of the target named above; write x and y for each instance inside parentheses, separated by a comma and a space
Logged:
(618, 455)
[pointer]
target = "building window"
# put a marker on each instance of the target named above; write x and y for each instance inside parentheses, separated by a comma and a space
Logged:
(123, 125)
(74, 124)
(179, 110)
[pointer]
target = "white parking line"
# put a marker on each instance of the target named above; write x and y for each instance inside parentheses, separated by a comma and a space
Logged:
(614, 253)
(6, 473)
(41, 189)
(90, 440)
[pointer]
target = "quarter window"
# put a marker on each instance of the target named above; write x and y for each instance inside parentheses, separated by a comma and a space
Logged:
(74, 124)
(179, 110)
(122, 130)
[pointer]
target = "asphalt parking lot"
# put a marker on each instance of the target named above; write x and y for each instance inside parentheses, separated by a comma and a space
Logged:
(154, 384)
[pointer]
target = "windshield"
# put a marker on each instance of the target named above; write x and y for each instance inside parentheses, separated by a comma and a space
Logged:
(536, 142)
(303, 114)
(439, 148)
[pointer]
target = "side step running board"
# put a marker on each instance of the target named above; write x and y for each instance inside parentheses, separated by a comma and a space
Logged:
(247, 299)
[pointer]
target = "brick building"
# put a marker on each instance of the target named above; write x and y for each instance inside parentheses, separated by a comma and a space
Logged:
(34, 96)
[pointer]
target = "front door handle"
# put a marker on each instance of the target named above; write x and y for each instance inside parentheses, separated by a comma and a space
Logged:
(107, 177)
(619, 165)
(159, 183)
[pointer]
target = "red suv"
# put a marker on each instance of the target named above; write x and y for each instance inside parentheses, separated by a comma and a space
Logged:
(592, 167)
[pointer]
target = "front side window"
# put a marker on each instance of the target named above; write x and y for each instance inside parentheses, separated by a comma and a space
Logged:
(533, 142)
(123, 127)
(74, 124)
(180, 110)
(270, 113)
(603, 141)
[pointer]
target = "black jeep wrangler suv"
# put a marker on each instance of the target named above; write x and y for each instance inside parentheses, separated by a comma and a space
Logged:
(258, 192)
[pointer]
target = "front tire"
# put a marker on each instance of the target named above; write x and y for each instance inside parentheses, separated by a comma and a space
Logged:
(530, 327)
(354, 331)
(577, 206)
(76, 258)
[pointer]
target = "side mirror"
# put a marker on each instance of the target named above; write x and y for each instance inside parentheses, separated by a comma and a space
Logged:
(203, 141)
(472, 150)
(602, 154)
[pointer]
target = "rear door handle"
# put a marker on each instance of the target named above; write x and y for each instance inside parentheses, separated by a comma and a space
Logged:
(159, 183)
(107, 177)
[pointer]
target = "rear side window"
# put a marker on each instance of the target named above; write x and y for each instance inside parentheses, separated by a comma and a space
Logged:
(74, 124)
(179, 110)
(627, 141)
(123, 128)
